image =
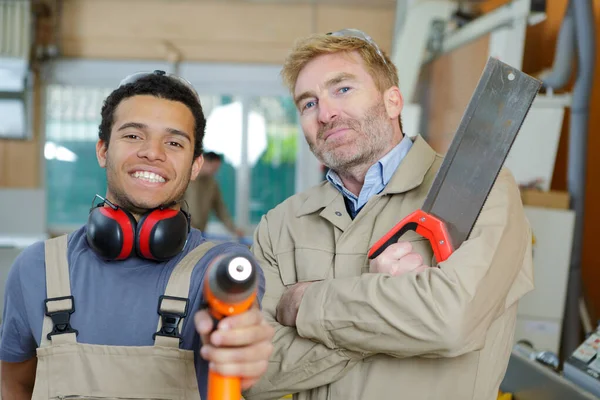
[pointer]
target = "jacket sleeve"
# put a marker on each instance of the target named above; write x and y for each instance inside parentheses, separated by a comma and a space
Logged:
(440, 312)
(297, 363)
(221, 210)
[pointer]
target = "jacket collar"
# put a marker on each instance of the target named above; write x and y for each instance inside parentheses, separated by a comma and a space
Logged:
(409, 174)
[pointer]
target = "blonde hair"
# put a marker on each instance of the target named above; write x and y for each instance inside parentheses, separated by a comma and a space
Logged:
(380, 67)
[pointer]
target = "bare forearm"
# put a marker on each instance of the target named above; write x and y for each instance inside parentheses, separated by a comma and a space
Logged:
(16, 391)
(18, 379)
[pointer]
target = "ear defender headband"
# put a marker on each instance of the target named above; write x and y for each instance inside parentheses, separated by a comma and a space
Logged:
(113, 233)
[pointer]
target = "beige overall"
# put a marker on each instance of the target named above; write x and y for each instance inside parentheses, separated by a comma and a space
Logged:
(70, 370)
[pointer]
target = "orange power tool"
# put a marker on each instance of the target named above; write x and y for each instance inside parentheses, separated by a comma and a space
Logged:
(230, 288)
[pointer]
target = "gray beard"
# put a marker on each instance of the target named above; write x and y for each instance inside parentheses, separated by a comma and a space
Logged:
(376, 135)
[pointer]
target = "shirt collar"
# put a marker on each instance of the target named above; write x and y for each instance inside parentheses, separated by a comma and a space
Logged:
(384, 168)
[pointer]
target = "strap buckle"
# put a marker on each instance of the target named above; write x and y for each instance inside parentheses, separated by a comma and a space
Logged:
(60, 319)
(171, 319)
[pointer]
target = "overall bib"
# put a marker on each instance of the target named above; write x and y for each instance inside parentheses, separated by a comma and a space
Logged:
(67, 369)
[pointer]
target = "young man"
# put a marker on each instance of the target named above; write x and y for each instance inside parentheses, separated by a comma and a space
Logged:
(204, 196)
(135, 273)
(400, 326)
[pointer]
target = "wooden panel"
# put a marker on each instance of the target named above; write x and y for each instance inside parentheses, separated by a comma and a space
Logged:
(20, 159)
(207, 31)
(194, 21)
(372, 3)
(19, 164)
(452, 80)
(377, 23)
(489, 5)
(158, 50)
(591, 265)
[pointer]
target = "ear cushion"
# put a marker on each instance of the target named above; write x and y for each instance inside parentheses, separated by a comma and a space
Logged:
(143, 249)
(161, 234)
(188, 218)
(111, 233)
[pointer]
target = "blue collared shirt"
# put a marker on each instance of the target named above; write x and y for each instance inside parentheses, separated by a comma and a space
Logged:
(376, 179)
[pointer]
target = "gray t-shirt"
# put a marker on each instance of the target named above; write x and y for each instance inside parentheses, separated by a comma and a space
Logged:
(115, 302)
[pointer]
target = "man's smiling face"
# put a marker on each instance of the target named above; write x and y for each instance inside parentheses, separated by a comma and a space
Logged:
(149, 159)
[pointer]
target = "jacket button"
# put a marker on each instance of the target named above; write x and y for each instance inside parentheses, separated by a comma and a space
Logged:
(339, 214)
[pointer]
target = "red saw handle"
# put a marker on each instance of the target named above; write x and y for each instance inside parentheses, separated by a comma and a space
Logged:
(425, 225)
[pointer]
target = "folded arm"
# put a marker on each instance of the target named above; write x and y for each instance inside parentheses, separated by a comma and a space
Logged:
(297, 364)
(439, 312)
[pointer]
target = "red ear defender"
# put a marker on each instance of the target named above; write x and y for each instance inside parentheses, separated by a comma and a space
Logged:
(162, 233)
(111, 232)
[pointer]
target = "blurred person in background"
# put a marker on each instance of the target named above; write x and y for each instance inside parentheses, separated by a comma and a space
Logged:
(204, 196)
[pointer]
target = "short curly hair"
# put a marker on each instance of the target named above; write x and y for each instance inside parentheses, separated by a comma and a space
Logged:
(163, 87)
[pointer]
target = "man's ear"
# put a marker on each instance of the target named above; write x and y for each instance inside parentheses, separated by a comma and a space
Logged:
(393, 102)
(101, 150)
(196, 165)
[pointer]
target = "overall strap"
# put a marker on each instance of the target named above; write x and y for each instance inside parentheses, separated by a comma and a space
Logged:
(173, 306)
(59, 304)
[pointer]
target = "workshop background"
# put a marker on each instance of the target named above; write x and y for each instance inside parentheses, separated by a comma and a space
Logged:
(60, 58)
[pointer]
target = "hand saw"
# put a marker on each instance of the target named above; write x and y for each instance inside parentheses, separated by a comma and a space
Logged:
(484, 137)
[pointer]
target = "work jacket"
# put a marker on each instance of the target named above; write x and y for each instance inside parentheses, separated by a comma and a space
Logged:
(444, 333)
